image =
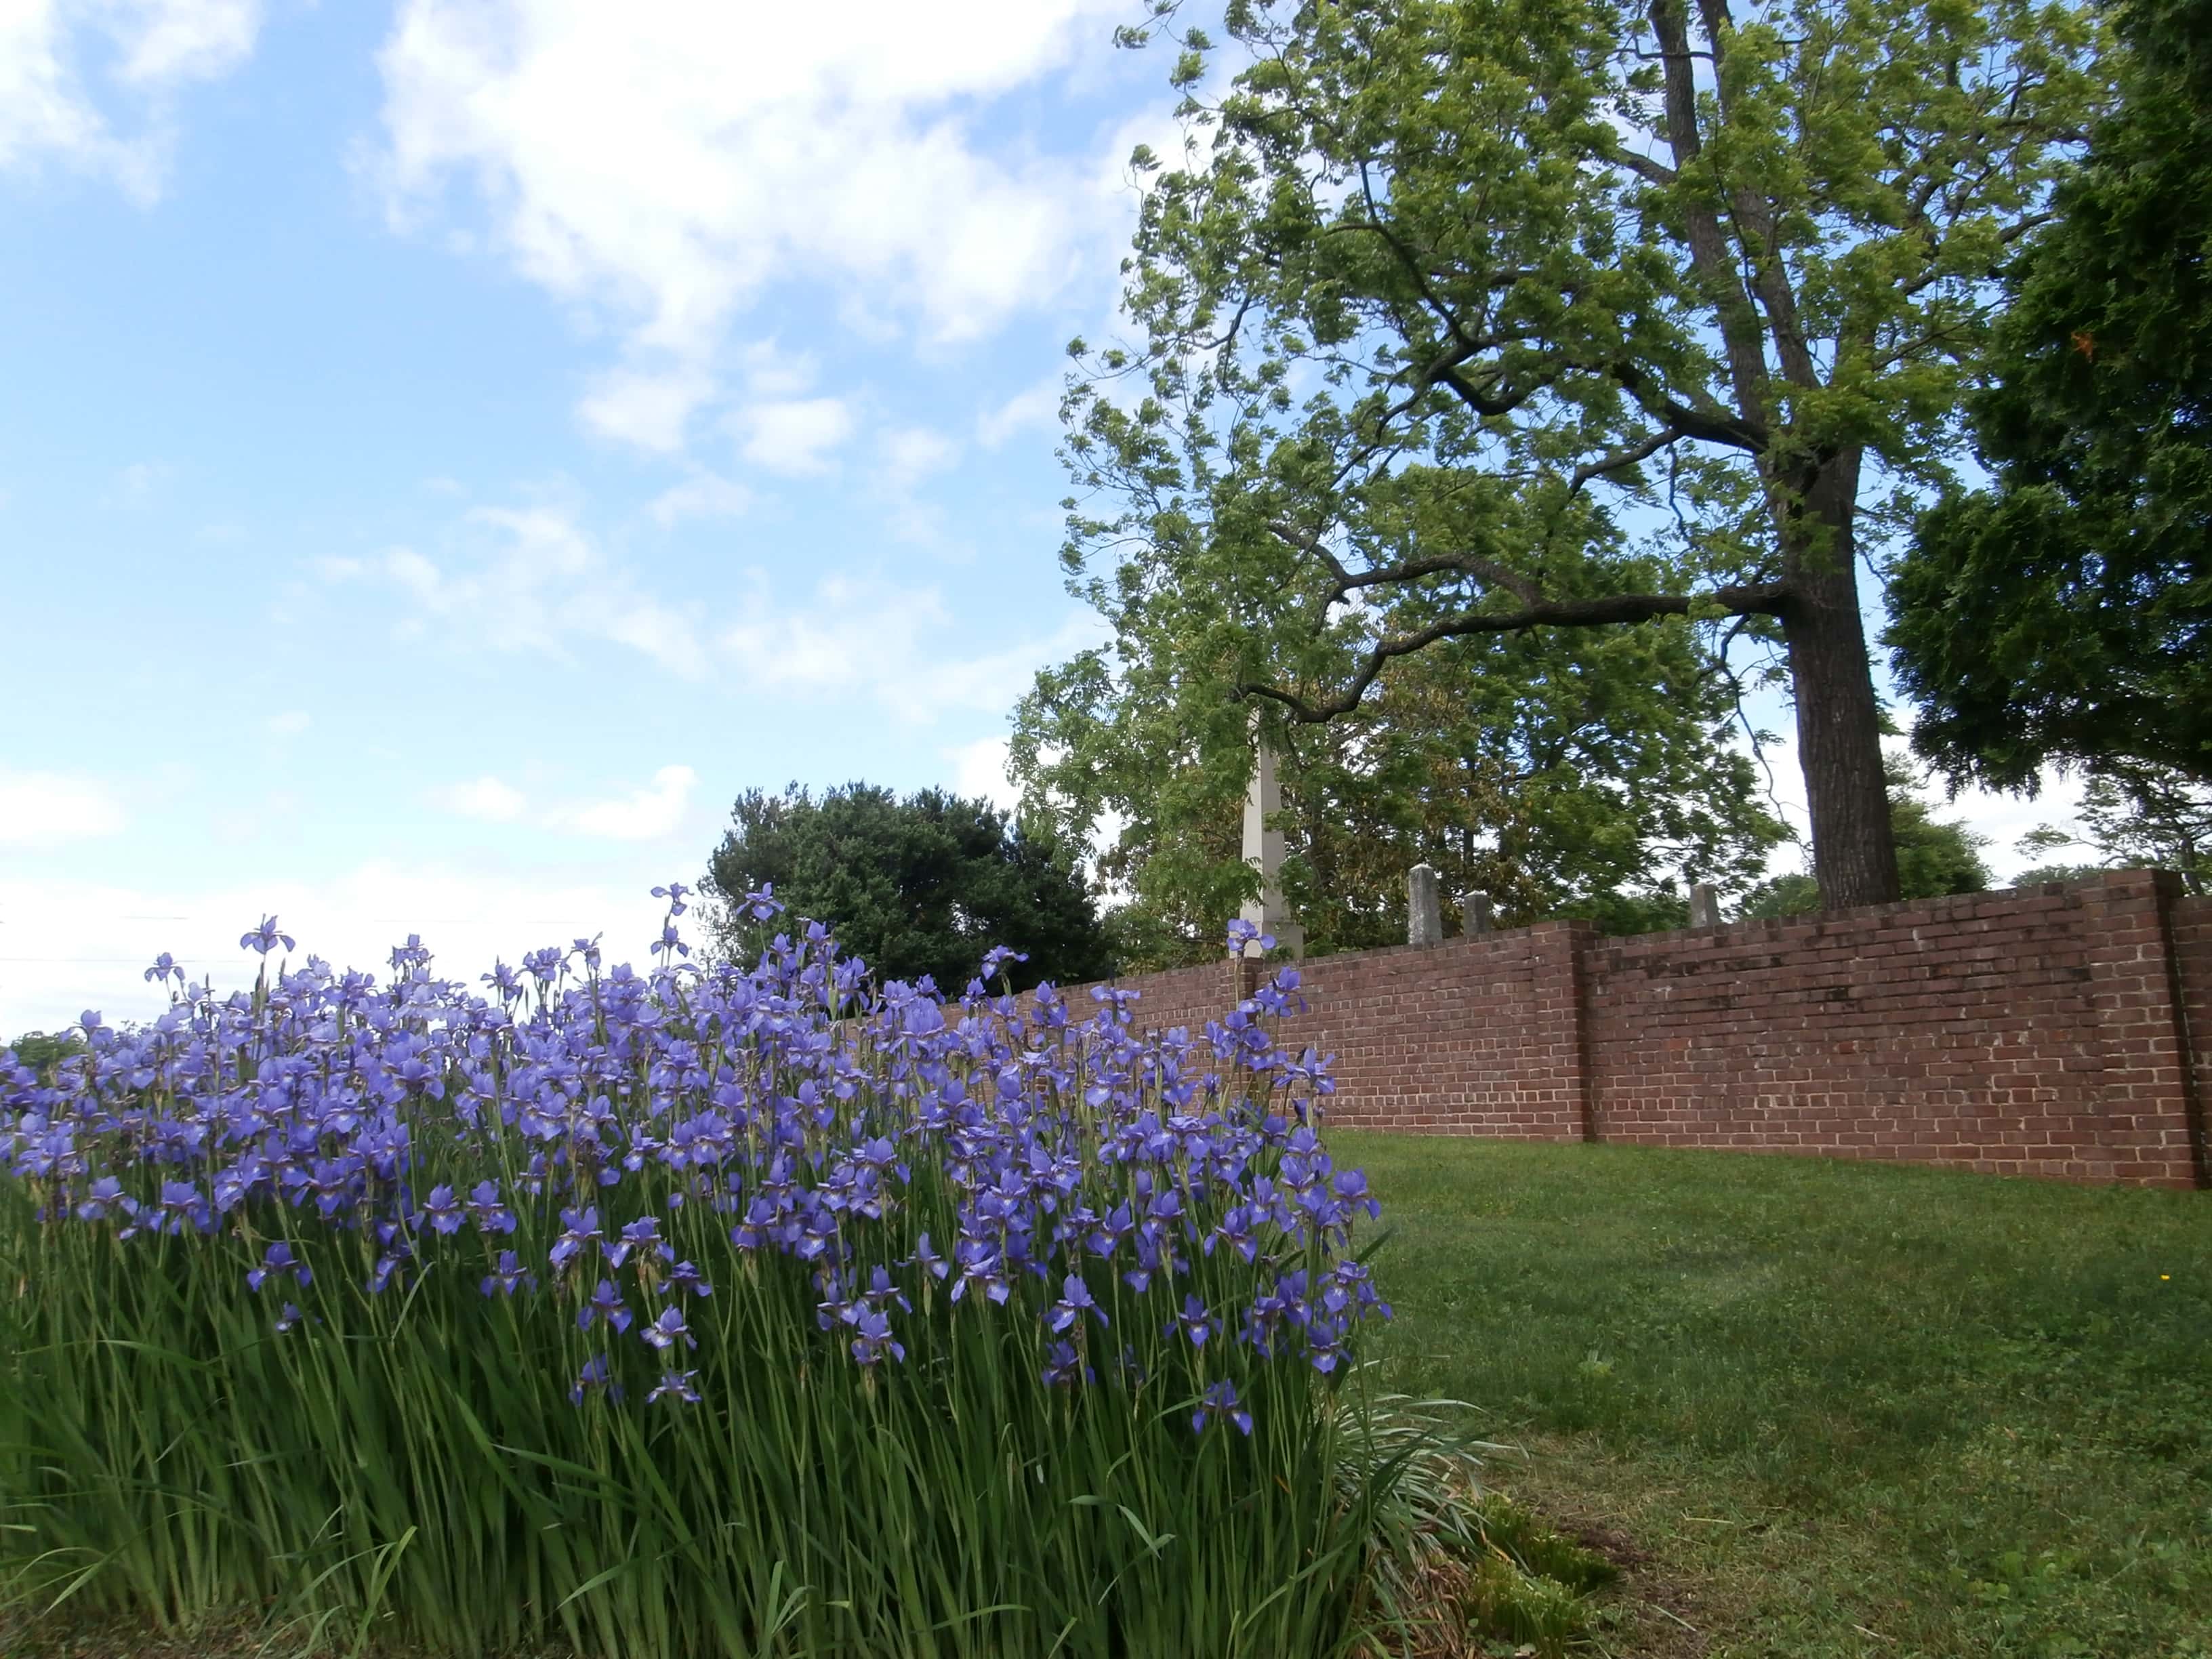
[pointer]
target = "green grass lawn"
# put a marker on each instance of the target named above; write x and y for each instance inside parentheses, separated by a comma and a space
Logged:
(1843, 1408)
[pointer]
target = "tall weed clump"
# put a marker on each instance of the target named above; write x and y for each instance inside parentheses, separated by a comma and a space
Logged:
(740, 1310)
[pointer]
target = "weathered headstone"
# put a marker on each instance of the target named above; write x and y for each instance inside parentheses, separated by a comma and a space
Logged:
(1424, 916)
(1475, 914)
(1263, 847)
(1704, 905)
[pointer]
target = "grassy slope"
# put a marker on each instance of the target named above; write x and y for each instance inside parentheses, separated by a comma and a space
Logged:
(1849, 1409)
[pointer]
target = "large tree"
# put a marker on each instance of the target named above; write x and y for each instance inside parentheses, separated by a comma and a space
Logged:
(922, 885)
(2063, 613)
(1470, 317)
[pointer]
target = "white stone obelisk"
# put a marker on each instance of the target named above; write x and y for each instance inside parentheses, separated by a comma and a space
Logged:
(1263, 848)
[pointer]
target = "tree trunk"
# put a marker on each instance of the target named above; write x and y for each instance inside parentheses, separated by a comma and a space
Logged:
(1839, 724)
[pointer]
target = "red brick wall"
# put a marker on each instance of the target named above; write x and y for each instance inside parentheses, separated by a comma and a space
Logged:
(2034, 1031)
(1180, 996)
(1474, 1036)
(2025, 1032)
(2191, 925)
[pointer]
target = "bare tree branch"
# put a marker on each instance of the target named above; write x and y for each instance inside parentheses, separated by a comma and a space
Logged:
(1766, 600)
(1707, 422)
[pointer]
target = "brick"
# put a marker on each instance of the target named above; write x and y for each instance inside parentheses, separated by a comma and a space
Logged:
(2064, 1031)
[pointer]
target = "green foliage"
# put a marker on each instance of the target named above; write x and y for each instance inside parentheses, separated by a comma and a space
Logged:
(922, 885)
(1935, 857)
(1823, 1398)
(2064, 613)
(1526, 1584)
(1793, 893)
(1461, 319)
(41, 1049)
(2037, 875)
(1559, 772)
(416, 1466)
(2138, 817)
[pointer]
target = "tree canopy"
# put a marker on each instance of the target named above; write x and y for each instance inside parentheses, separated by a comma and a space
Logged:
(1560, 773)
(1465, 319)
(921, 885)
(2063, 613)
(2136, 817)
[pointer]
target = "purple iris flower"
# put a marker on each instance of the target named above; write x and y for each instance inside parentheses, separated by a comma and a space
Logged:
(785, 1098)
(669, 1329)
(502, 1279)
(605, 1302)
(1220, 1400)
(1075, 1301)
(266, 938)
(675, 1386)
(642, 1237)
(1194, 1321)
(443, 1210)
(1350, 1186)
(998, 956)
(596, 1373)
(580, 1229)
(689, 1279)
(1064, 1367)
(184, 1205)
(106, 1195)
(1242, 935)
(873, 1339)
(487, 1211)
(276, 1261)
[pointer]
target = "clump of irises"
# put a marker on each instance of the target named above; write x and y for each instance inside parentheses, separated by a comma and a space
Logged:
(1018, 1260)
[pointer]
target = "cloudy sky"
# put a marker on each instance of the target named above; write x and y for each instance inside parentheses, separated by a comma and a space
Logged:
(449, 449)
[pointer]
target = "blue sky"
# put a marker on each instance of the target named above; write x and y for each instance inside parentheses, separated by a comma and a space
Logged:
(447, 451)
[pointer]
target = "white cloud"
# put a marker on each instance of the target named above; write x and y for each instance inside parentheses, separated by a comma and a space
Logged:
(668, 164)
(62, 60)
(979, 770)
(166, 40)
(547, 589)
(703, 496)
(485, 798)
(794, 436)
(914, 453)
(42, 810)
(855, 635)
(544, 588)
(290, 724)
(1037, 408)
(67, 944)
(648, 408)
(769, 371)
(649, 814)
